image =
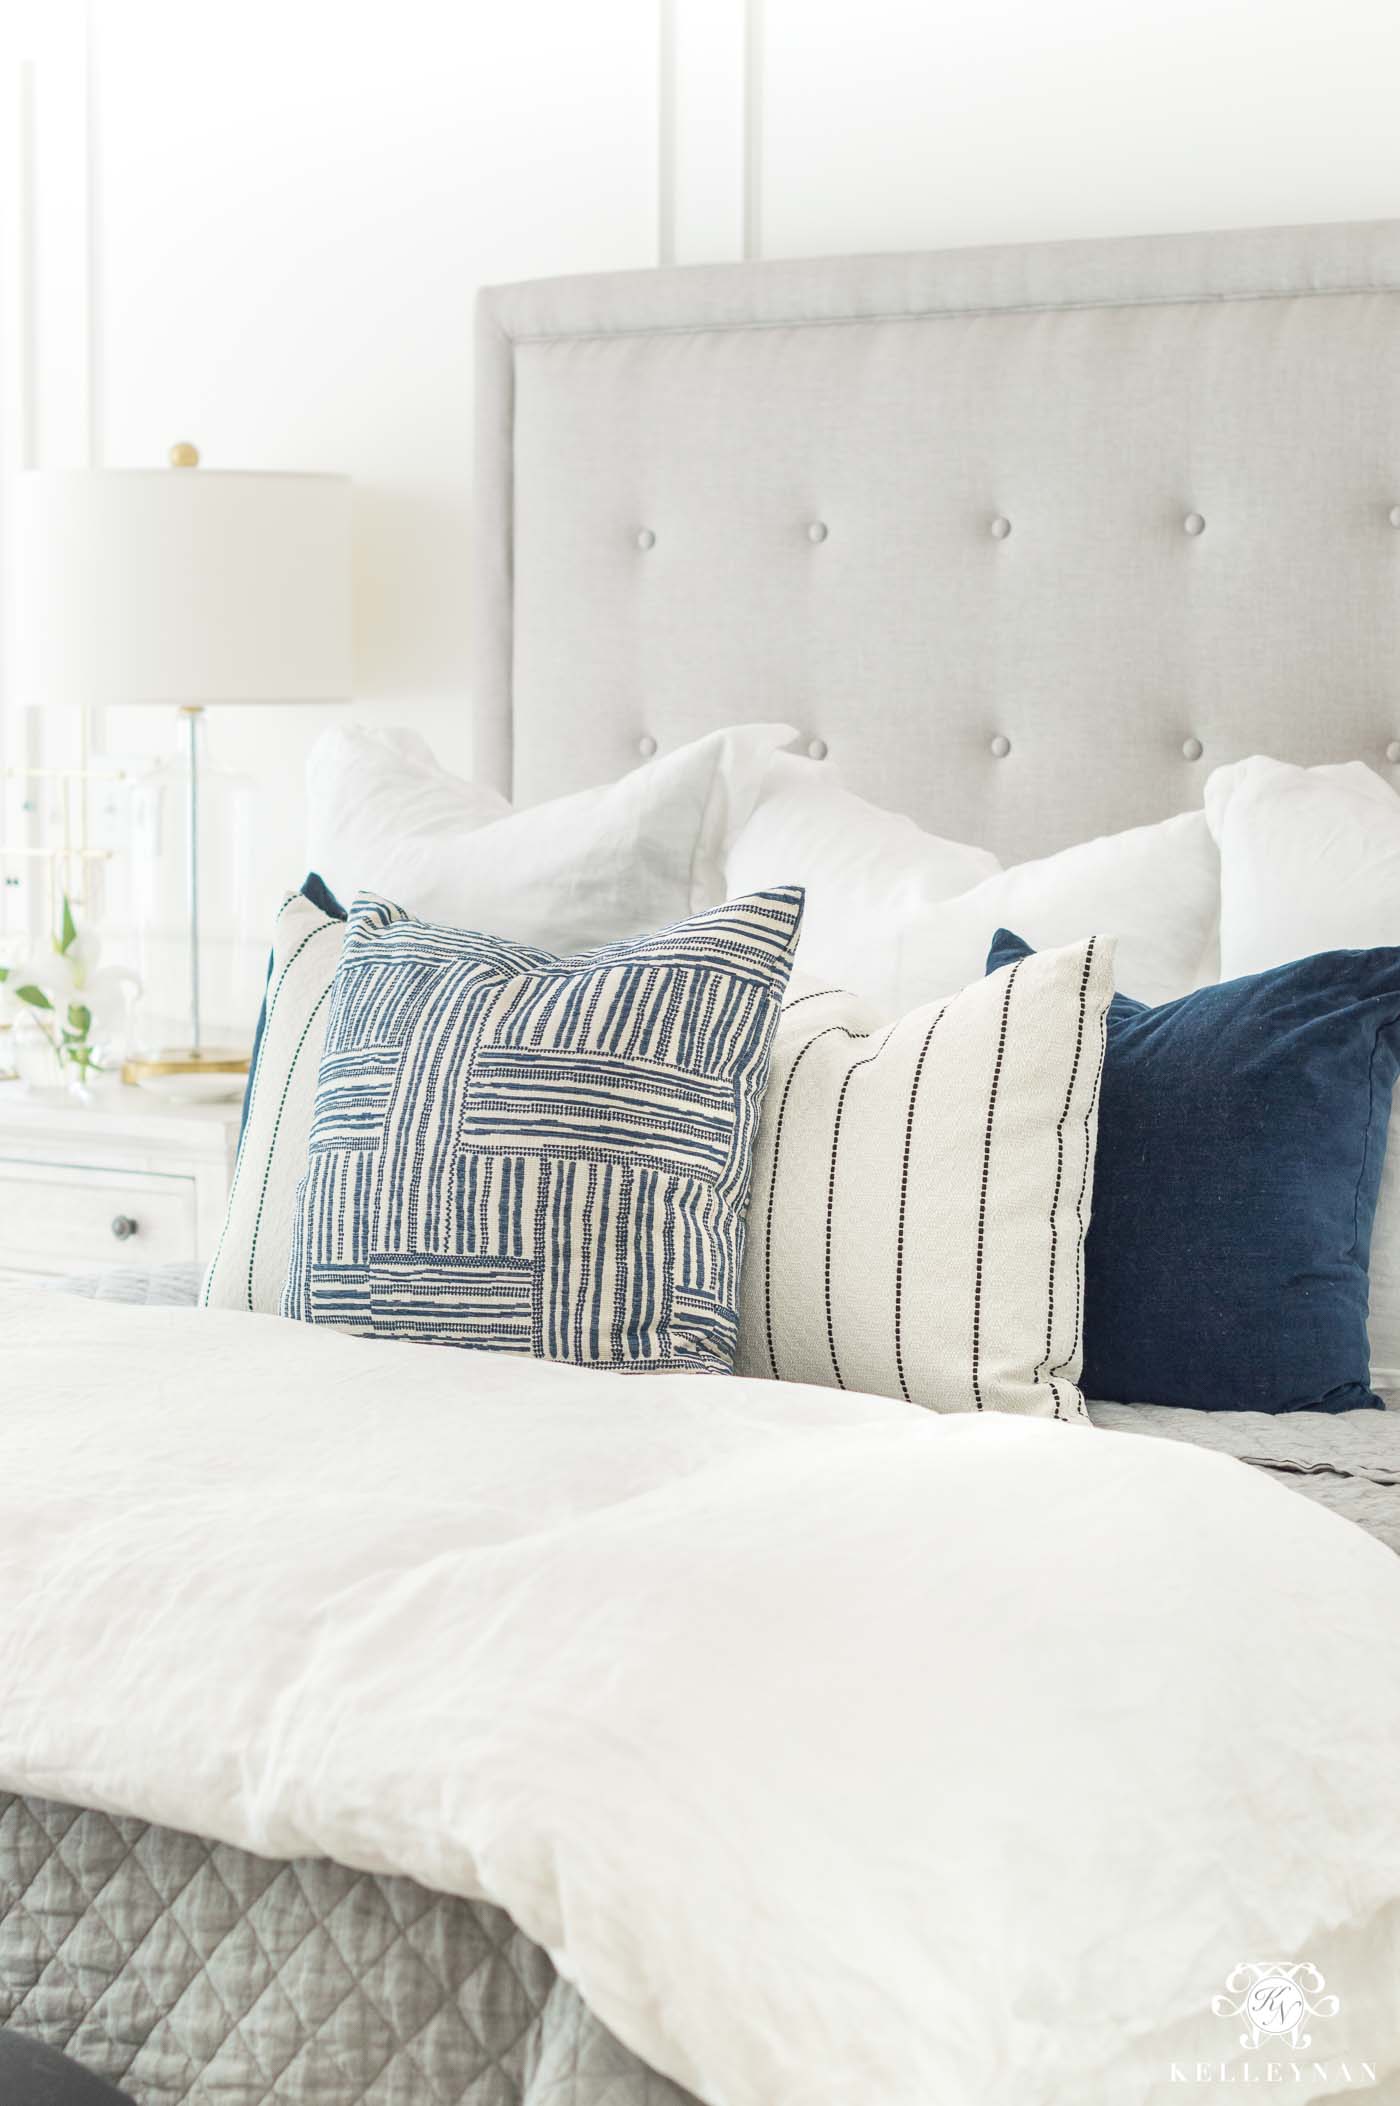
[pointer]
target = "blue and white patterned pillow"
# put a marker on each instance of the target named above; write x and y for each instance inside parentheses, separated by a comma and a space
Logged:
(528, 1154)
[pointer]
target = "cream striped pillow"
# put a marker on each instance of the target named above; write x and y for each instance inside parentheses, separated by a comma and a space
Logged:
(921, 1191)
(249, 1268)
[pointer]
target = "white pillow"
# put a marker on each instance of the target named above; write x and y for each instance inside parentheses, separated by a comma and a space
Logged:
(865, 871)
(1310, 861)
(589, 869)
(1155, 888)
(249, 1267)
(899, 916)
(369, 784)
(921, 1191)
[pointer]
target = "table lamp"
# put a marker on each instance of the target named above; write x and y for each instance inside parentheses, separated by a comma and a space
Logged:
(187, 587)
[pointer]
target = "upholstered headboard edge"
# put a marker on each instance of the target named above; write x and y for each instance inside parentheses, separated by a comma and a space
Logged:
(1252, 265)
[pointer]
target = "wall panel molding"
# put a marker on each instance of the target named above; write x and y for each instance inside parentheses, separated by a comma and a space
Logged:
(666, 135)
(49, 353)
(62, 278)
(755, 55)
(17, 268)
(47, 356)
(92, 233)
(704, 210)
(18, 739)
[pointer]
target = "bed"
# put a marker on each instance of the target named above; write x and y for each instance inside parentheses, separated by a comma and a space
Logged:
(1348, 1461)
(1023, 537)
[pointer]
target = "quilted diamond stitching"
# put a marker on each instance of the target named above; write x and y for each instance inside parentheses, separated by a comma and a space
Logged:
(197, 1975)
(104, 2020)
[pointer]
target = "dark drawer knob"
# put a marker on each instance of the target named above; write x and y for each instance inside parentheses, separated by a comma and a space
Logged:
(123, 1226)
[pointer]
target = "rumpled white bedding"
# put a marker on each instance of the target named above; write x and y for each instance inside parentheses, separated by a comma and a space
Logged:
(841, 1753)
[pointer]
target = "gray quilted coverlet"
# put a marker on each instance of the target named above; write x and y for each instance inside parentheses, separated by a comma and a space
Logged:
(186, 1971)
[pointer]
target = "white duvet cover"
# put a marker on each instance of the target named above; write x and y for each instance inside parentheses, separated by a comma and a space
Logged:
(842, 1753)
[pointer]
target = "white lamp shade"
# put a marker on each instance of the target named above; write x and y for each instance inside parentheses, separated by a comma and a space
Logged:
(179, 585)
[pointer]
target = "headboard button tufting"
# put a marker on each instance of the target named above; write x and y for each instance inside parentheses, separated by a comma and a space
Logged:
(896, 437)
(816, 749)
(646, 745)
(1392, 752)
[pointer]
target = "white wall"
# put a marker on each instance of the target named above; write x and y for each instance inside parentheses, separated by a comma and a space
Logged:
(920, 123)
(44, 350)
(259, 224)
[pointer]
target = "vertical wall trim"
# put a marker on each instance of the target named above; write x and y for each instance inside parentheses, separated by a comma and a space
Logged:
(666, 135)
(28, 748)
(92, 141)
(22, 342)
(19, 737)
(753, 129)
(91, 720)
(704, 104)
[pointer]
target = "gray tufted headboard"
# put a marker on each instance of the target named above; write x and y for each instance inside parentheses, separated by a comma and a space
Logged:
(1027, 538)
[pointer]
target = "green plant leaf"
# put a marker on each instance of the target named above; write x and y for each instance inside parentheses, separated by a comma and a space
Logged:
(79, 1019)
(68, 932)
(35, 997)
(4, 973)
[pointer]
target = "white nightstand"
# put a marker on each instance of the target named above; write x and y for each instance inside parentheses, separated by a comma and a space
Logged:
(127, 1180)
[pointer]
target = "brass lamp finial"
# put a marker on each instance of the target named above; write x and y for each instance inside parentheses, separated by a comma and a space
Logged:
(183, 455)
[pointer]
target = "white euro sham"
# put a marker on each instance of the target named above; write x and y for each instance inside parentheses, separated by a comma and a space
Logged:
(865, 871)
(899, 916)
(580, 871)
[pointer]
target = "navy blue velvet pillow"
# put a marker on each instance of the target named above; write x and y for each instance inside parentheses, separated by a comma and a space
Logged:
(320, 895)
(1241, 1135)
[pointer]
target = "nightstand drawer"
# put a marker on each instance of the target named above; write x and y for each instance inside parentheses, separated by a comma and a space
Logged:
(57, 1217)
